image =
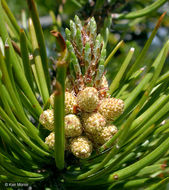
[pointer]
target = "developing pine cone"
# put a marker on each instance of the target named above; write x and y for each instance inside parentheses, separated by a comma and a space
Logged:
(47, 119)
(73, 127)
(106, 134)
(93, 123)
(81, 147)
(111, 108)
(88, 99)
(70, 102)
(50, 141)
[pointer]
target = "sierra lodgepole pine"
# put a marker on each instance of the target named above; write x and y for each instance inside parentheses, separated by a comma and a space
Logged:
(91, 144)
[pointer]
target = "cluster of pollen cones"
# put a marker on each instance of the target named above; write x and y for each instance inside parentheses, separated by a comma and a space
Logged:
(88, 121)
(89, 109)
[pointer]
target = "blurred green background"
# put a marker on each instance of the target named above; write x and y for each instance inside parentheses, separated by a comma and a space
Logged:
(134, 32)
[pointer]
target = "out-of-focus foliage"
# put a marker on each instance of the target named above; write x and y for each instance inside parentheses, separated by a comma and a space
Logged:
(43, 6)
(134, 32)
(86, 8)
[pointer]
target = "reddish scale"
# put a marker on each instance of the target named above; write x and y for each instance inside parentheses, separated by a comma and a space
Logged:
(87, 79)
(69, 122)
(99, 50)
(82, 33)
(78, 112)
(115, 176)
(90, 73)
(78, 54)
(75, 109)
(71, 79)
(76, 89)
(97, 82)
(92, 46)
(93, 66)
(96, 109)
(163, 166)
(101, 120)
(79, 83)
(161, 175)
(102, 93)
(84, 36)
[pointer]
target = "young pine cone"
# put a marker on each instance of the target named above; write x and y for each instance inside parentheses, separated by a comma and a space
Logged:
(93, 123)
(106, 134)
(88, 99)
(111, 108)
(81, 147)
(47, 119)
(70, 102)
(73, 126)
(50, 140)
